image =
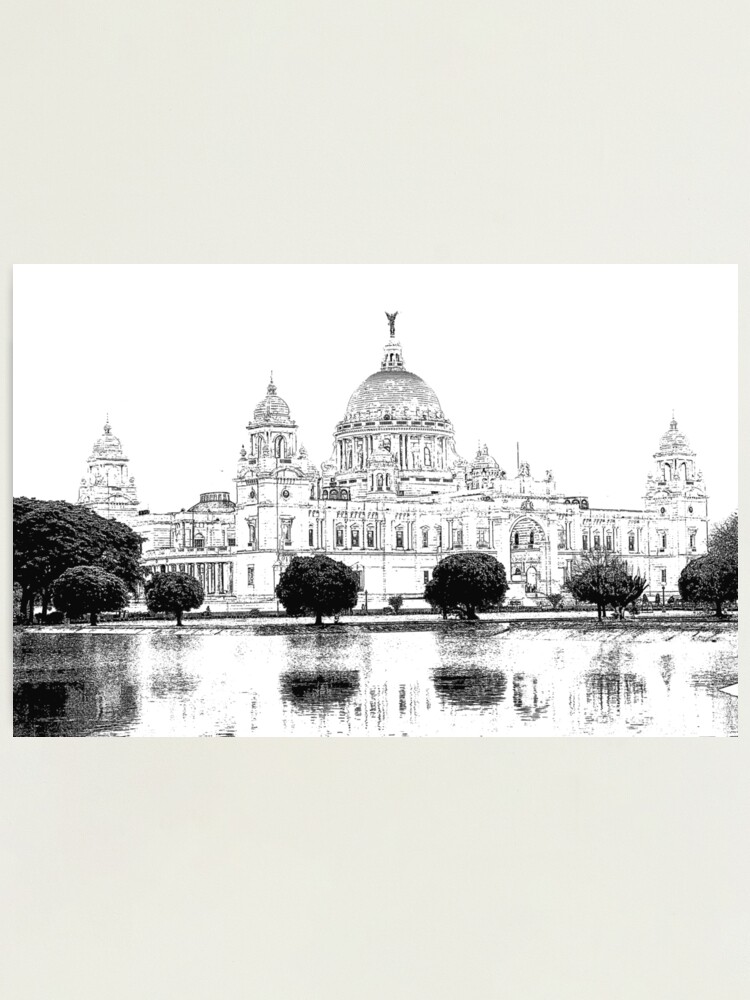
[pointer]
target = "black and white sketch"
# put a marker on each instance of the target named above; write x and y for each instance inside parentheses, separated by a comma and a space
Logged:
(391, 584)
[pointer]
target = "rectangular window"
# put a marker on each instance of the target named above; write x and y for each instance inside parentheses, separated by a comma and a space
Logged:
(311, 537)
(426, 575)
(609, 543)
(425, 538)
(340, 538)
(664, 540)
(286, 530)
(482, 542)
(198, 542)
(458, 538)
(355, 538)
(597, 542)
(663, 576)
(692, 541)
(631, 543)
(231, 540)
(251, 576)
(585, 543)
(370, 538)
(399, 539)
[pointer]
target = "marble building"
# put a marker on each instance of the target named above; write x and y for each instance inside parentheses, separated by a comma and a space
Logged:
(393, 499)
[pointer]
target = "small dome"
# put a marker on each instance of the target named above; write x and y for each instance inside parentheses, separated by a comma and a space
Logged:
(273, 409)
(381, 457)
(108, 446)
(674, 442)
(483, 459)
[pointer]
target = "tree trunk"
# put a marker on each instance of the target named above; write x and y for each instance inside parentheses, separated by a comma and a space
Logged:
(318, 620)
(599, 611)
(179, 617)
(32, 603)
(24, 609)
(720, 609)
(94, 618)
(471, 614)
(45, 605)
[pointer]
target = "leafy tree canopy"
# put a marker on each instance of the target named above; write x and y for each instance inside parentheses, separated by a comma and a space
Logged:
(467, 582)
(317, 586)
(174, 593)
(88, 590)
(50, 536)
(713, 578)
(604, 579)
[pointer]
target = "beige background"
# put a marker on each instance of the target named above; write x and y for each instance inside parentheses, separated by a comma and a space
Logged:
(306, 131)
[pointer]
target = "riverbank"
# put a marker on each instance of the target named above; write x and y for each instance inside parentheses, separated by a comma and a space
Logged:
(544, 624)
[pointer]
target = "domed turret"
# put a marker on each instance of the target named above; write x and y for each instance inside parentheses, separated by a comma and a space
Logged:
(107, 488)
(272, 432)
(272, 409)
(107, 446)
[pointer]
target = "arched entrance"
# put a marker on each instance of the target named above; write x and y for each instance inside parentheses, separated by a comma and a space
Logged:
(529, 558)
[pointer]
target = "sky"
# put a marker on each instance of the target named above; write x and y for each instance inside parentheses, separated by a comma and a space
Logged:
(581, 366)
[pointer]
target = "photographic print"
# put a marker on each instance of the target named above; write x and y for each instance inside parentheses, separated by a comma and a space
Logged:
(375, 501)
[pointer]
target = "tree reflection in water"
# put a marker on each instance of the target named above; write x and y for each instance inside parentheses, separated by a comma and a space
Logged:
(318, 690)
(469, 687)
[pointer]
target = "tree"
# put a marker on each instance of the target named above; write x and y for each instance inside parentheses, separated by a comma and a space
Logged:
(88, 590)
(555, 600)
(395, 601)
(50, 536)
(713, 578)
(603, 578)
(174, 593)
(467, 582)
(319, 586)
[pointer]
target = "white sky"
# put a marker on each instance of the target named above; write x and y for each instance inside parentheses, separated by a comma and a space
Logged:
(582, 365)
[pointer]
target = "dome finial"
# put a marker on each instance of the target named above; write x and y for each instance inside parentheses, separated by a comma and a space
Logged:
(271, 386)
(107, 427)
(392, 323)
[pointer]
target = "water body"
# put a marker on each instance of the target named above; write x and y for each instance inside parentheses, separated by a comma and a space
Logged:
(347, 681)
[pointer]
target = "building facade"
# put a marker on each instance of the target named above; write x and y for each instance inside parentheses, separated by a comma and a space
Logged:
(393, 499)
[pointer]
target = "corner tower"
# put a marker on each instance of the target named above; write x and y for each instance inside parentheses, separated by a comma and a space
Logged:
(107, 489)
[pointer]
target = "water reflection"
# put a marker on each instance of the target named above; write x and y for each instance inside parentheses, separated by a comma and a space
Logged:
(348, 681)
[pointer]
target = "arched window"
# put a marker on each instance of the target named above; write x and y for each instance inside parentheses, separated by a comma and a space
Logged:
(516, 539)
(399, 538)
(325, 494)
(667, 472)
(683, 471)
(387, 481)
(380, 480)
(199, 539)
(344, 495)
(531, 539)
(427, 457)
(425, 538)
(280, 447)
(334, 494)
(561, 541)
(311, 537)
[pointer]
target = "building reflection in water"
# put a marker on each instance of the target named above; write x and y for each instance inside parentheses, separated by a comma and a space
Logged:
(349, 681)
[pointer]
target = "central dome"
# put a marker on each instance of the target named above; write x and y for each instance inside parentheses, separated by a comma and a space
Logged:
(393, 393)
